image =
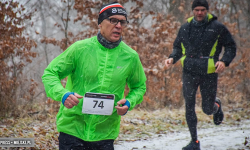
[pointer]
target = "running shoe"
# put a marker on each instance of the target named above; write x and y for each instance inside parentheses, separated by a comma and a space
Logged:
(192, 146)
(218, 117)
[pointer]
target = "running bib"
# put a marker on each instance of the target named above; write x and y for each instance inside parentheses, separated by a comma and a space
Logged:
(99, 104)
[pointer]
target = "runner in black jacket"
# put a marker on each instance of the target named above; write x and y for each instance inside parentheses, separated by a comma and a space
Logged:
(199, 44)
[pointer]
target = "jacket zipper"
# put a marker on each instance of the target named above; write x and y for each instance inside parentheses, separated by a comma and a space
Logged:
(101, 90)
(107, 53)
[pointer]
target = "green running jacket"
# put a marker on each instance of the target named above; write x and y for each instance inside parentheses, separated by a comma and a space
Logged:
(90, 67)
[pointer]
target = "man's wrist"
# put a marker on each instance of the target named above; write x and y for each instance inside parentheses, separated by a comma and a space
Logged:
(66, 96)
(127, 103)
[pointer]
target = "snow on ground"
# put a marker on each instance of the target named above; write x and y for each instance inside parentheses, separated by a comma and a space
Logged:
(223, 137)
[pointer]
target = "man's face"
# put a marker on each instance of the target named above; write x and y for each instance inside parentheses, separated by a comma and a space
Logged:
(112, 32)
(200, 13)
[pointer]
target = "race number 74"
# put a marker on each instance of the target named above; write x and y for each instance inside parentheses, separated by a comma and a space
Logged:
(99, 105)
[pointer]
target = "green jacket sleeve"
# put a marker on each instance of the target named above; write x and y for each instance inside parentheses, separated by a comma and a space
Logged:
(59, 68)
(136, 83)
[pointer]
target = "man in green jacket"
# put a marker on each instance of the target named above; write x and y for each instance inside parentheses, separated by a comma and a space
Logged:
(98, 69)
(198, 45)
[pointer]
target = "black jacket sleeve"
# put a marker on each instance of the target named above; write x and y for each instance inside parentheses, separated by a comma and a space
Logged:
(177, 49)
(229, 45)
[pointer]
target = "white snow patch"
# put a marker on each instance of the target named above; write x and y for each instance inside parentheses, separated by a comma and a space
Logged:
(221, 137)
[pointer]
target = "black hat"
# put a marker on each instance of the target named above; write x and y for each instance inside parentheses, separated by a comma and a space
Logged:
(200, 3)
(111, 9)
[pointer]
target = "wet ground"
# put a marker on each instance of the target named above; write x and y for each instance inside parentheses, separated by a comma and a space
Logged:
(223, 137)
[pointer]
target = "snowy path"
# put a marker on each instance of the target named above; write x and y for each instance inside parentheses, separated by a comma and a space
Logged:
(222, 137)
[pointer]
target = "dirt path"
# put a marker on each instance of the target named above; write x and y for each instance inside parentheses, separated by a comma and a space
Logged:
(223, 137)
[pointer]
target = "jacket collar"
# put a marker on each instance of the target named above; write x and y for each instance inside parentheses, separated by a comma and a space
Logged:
(210, 17)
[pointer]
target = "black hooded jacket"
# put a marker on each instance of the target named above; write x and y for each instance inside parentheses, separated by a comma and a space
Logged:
(199, 47)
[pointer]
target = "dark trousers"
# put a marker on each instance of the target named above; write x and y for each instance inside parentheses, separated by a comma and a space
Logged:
(208, 88)
(69, 142)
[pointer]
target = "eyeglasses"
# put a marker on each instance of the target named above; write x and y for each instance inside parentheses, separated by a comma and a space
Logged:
(202, 10)
(115, 21)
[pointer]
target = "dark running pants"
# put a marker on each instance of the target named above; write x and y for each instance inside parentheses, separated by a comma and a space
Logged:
(69, 142)
(208, 89)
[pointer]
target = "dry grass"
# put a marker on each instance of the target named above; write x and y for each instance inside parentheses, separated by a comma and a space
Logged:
(135, 125)
(141, 124)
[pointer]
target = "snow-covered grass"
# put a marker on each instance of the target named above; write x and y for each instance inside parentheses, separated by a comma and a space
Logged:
(139, 125)
(166, 129)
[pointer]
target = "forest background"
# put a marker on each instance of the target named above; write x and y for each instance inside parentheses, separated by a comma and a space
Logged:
(34, 32)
